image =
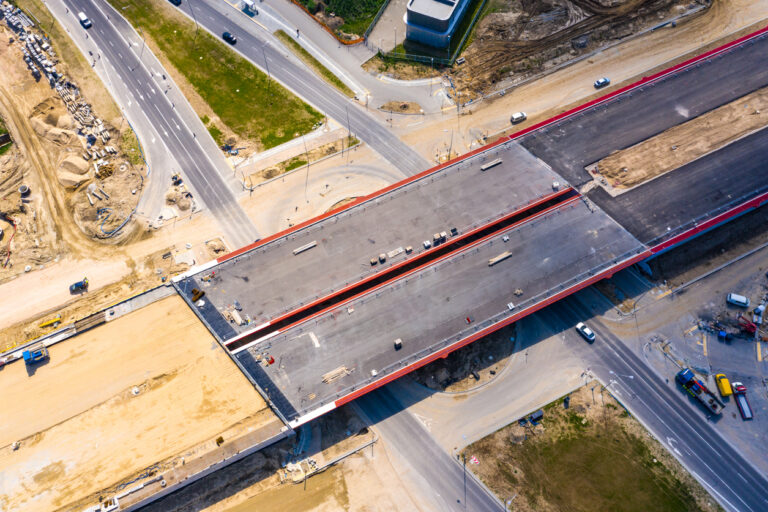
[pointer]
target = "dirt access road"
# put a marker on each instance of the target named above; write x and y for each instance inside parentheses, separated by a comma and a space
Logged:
(146, 388)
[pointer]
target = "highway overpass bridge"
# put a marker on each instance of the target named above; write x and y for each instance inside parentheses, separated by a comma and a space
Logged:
(508, 230)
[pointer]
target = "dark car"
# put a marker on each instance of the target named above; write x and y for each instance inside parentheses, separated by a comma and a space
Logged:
(602, 82)
(175, 2)
(230, 38)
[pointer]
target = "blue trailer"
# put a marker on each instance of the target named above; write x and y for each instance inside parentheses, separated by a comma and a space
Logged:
(34, 354)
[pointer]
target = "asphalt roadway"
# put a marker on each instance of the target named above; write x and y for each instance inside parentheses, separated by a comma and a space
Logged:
(732, 174)
(197, 167)
(432, 308)
(686, 432)
(452, 486)
(257, 45)
(460, 196)
(575, 142)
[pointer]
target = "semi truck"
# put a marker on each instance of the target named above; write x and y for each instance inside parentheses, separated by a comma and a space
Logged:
(696, 388)
(740, 395)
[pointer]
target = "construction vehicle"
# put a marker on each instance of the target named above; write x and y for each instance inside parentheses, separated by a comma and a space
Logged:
(740, 394)
(53, 322)
(34, 354)
(746, 325)
(80, 286)
(696, 388)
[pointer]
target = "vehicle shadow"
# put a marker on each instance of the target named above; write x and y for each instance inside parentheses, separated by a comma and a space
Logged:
(32, 368)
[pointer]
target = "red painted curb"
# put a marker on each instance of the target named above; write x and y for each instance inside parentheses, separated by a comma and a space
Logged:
(466, 341)
(537, 126)
(359, 200)
(709, 224)
(643, 81)
(417, 269)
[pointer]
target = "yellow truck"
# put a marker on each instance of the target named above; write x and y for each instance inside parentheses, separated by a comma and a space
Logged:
(723, 385)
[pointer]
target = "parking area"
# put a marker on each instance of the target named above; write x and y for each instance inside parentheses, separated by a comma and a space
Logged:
(337, 251)
(676, 324)
(315, 363)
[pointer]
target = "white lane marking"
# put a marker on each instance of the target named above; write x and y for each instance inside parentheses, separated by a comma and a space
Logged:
(315, 341)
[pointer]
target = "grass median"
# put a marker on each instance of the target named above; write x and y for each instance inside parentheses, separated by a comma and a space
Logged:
(243, 97)
(313, 63)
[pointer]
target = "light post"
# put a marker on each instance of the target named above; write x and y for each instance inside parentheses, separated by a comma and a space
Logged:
(266, 64)
(143, 42)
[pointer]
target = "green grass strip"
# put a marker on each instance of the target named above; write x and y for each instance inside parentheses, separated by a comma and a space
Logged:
(243, 97)
(315, 64)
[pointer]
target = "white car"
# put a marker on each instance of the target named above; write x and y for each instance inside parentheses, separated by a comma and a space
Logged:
(518, 117)
(585, 332)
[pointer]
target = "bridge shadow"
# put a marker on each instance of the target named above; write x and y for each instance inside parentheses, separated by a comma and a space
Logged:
(265, 469)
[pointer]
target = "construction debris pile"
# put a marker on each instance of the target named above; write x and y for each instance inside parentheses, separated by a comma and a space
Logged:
(101, 184)
(36, 49)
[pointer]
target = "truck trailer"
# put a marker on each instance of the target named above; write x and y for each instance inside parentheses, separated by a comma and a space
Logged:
(740, 395)
(696, 388)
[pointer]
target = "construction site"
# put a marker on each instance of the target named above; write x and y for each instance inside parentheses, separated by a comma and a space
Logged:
(162, 359)
(72, 175)
(520, 39)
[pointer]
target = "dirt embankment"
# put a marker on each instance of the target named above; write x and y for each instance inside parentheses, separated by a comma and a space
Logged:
(58, 140)
(525, 37)
(685, 142)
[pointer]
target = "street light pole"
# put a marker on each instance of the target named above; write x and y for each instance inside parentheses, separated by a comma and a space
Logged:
(197, 28)
(143, 42)
(266, 63)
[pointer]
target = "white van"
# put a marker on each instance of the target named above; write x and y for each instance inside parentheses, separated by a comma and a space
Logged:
(84, 21)
(248, 6)
(737, 300)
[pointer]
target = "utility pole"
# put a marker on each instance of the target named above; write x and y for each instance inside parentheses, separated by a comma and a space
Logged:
(306, 180)
(197, 27)
(143, 42)
(266, 63)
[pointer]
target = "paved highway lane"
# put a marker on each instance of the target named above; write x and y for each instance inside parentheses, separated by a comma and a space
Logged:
(197, 167)
(666, 411)
(257, 44)
(450, 485)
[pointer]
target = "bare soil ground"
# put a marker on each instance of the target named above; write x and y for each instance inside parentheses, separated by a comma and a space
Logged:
(591, 456)
(142, 274)
(685, 142)
(402, 107)
(301, 160)
(56, 219)
(142, 390)
(521, 38)
(470, 366)
(400, 69)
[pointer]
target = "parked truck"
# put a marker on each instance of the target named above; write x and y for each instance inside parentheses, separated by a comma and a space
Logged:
(740, 394)
(34, 354)
(696, 388)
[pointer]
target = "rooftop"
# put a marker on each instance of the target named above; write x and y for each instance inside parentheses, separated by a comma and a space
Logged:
(437, 9)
